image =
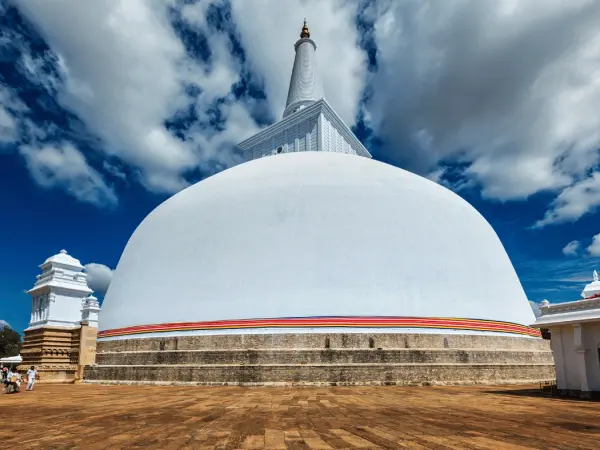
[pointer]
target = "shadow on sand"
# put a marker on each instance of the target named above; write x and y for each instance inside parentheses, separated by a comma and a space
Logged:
(542, 393)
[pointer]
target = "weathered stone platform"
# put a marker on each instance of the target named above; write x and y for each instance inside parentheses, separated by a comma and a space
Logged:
(323, 359)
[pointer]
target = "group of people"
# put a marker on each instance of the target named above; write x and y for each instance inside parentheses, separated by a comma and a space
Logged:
(12, 379)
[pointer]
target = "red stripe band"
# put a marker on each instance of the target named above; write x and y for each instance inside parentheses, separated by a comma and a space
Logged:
(331, 322)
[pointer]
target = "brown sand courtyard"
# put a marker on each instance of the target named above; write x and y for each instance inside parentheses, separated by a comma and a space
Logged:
(114, 417)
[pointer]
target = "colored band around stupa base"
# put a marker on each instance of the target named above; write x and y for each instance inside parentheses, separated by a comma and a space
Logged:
(331, 322)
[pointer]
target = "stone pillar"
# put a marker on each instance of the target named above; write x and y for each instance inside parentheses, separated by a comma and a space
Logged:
(87, 348)
(320, 138)
(559, 357)
(88, 334)
(581, 365)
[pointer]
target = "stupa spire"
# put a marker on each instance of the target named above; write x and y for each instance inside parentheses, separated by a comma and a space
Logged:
(305, 85)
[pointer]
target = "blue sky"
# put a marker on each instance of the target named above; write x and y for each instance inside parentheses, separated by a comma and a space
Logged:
(108, 108)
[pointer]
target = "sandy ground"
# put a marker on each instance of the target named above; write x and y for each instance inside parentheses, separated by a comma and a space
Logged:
(115, 417)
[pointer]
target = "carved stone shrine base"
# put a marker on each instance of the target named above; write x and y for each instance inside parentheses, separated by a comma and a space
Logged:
(58, 353)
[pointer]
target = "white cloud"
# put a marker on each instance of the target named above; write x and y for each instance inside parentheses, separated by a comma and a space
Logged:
(482, 83)
(8, 126)
(65, 167)
(4, 323)
(571, 248)
(99, 277)
(114, 170)
(508, 88)
(125, 73)
(575, 201)
(10, 108)
(594, 248)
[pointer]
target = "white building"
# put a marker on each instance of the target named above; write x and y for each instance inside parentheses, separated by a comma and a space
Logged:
(61, 336)
(575, 336)
(58, 293)
(311, 244)
(311, 233)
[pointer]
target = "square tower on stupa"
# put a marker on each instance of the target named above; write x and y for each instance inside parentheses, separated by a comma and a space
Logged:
(309, 123)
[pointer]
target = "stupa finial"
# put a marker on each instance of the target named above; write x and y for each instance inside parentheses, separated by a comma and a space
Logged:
(63, 252)
(595, 275)
(304, 33)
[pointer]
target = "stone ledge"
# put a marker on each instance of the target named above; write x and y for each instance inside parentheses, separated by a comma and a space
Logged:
(385, 374)
(324, 340)
(345, 356)
(319, 365)
(305, 384)
(292, 350)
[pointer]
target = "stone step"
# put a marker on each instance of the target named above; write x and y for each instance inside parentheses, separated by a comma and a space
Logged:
(323, 341)
(332, 356)
(322, 374)
(320, 365)
(545, 350)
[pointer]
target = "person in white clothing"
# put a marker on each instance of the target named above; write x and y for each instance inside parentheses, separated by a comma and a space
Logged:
(13, 382)
(31, 375)
(17, 373)
(7, 381)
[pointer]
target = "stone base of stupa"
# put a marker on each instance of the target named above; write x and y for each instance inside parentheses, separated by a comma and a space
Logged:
(314, 359)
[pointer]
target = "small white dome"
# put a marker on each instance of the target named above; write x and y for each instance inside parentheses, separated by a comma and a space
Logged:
(313, 234)
(63, 258)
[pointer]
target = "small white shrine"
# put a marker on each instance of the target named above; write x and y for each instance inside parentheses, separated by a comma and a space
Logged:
(63, 325)
(58, 293)
(592, 290)
(575, 337)
(90, 311)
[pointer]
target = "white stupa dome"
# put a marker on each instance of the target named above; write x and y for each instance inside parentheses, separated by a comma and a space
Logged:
(313, 234)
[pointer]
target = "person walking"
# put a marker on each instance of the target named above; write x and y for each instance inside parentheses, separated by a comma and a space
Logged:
(31, 374)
